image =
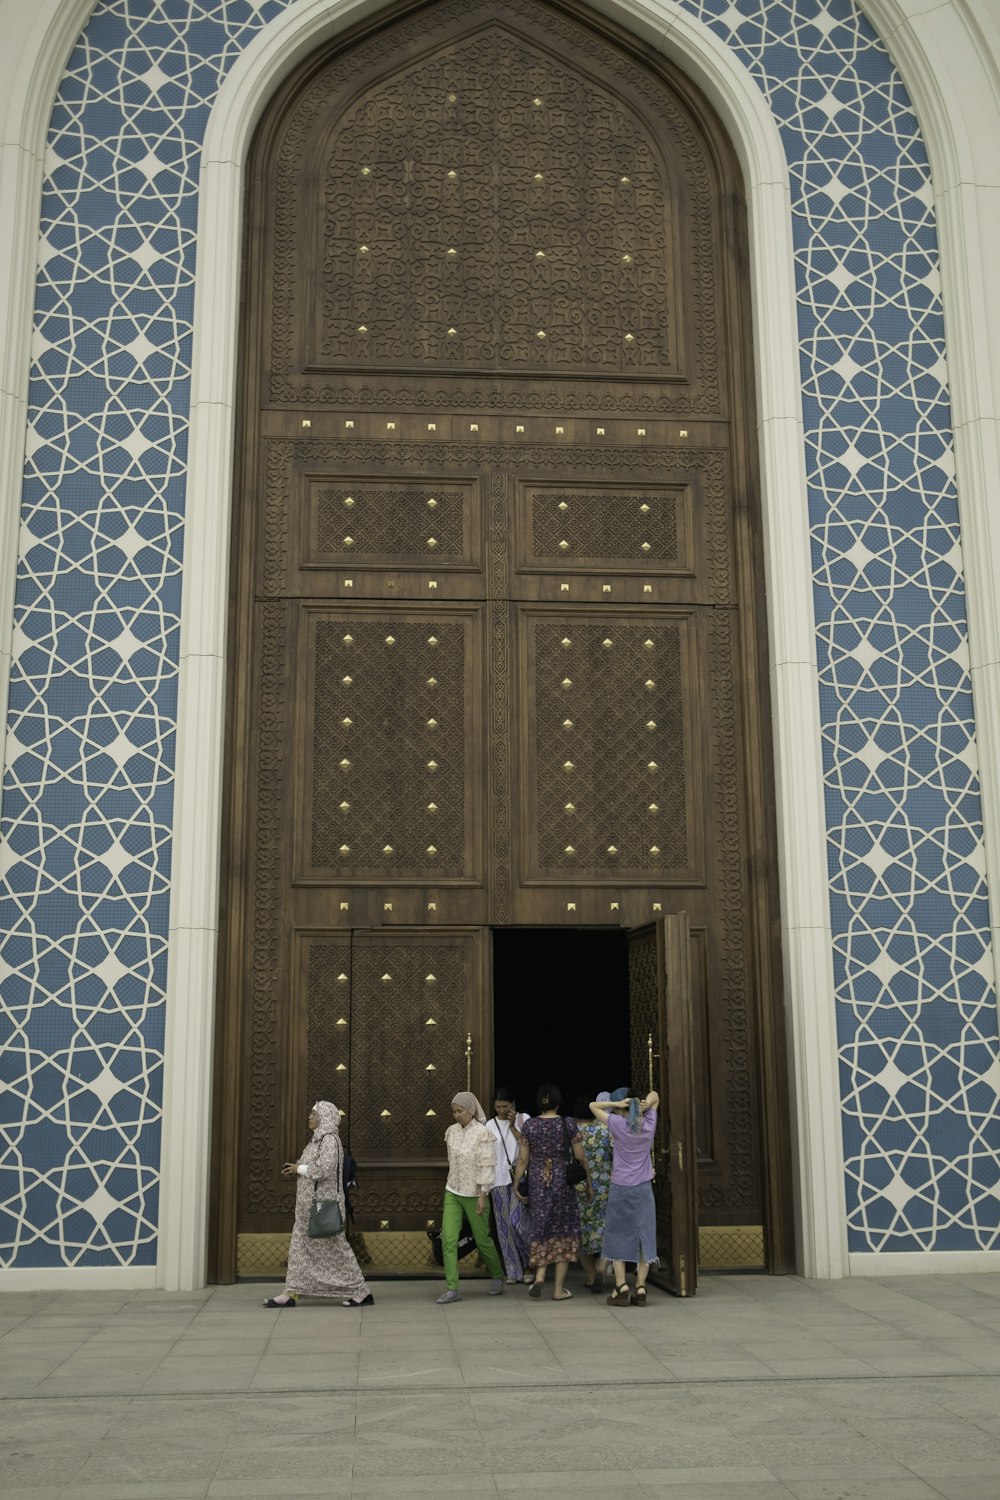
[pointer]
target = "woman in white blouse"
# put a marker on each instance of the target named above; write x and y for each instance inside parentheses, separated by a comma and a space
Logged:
(471, 1169)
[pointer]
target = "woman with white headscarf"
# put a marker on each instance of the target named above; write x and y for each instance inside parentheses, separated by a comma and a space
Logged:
(471, 1170)
(321, 1267)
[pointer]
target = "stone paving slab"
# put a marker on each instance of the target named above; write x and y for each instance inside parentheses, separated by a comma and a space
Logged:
(757, 1389)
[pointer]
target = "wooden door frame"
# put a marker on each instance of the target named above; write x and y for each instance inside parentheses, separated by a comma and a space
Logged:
(758, 791)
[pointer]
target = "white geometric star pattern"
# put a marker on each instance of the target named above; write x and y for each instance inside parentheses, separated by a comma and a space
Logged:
(87, 809)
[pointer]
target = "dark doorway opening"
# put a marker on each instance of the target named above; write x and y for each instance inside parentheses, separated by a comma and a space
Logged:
(560, 1011)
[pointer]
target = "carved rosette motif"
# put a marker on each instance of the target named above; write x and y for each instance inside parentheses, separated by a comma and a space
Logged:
(387, 1200)
(273, 560)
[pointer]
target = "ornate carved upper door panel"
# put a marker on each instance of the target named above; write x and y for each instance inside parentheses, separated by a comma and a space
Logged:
(501, 197)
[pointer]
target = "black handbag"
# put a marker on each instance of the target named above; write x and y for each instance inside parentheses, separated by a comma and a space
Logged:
(576, 1171)
(466, 1242)
(325, 1219)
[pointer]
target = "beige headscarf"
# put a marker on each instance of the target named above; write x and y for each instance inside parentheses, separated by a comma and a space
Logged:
(472, 1104)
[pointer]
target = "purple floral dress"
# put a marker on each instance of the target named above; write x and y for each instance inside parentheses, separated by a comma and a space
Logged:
(553, 1207)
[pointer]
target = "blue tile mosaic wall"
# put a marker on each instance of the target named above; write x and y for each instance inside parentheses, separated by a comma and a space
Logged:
(87, 792)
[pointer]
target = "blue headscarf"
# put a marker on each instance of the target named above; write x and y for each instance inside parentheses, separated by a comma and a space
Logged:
(634, 1112)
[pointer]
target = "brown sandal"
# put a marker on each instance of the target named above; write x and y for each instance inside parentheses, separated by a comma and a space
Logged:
(620, 1296)
(639, 1297)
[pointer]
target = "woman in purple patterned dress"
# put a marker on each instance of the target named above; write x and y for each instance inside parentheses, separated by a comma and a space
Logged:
(547, 1142)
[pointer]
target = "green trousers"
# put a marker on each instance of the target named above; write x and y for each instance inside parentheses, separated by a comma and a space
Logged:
(455, 1209)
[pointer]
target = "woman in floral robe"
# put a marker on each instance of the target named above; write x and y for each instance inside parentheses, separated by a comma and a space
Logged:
(596, 1140)
(323, 1267)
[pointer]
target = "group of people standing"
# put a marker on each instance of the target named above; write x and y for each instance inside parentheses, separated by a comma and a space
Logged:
(562, 1188)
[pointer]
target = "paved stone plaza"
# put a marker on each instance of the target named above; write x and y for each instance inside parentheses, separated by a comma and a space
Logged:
(758, 1388)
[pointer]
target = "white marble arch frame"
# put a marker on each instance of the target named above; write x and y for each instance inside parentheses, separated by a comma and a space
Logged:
(948, 58)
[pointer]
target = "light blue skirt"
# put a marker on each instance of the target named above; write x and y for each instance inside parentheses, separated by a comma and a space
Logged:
(630, 1224)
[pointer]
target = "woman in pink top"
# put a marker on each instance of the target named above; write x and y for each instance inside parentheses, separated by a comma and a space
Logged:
(630, 1221)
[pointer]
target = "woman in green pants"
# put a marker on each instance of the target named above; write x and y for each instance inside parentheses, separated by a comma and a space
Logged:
(471, 1168)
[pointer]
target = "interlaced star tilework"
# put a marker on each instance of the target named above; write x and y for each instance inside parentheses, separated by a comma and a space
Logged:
(87, 810)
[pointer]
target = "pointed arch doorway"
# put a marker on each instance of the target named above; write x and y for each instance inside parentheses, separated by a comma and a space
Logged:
(496, 652)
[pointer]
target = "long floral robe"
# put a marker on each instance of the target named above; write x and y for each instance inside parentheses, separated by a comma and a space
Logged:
(322, 1267)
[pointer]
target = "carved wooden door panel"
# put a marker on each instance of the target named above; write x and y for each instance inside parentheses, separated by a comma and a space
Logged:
(496, 638)
(663, 1057)
(388, 1016)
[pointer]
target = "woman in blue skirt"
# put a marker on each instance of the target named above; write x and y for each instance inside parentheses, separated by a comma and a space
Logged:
(630, 1221)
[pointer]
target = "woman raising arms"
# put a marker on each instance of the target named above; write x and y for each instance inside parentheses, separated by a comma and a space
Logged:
(630, 1221)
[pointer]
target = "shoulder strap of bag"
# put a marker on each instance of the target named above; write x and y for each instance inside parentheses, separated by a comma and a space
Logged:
(503, 1143)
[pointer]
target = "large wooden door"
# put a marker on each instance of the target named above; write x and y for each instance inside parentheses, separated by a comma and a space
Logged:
(496, 644)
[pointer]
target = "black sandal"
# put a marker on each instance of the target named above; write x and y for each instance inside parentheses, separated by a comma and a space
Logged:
(272, 1303)
(639, 1297)
(620, 1296)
